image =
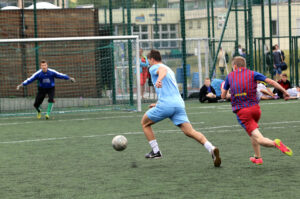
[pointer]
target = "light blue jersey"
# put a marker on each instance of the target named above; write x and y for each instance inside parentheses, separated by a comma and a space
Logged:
(168, 95)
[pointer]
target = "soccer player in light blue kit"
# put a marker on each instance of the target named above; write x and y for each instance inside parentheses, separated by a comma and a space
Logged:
(46, 77)
(169, 105)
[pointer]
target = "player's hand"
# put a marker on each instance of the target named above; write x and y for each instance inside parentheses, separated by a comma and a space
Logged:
(286, 96)
(152, 105)
(18, 87)
(72, 79)
(158, 84)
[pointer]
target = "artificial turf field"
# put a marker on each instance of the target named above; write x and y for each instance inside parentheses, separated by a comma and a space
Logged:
(70, 156)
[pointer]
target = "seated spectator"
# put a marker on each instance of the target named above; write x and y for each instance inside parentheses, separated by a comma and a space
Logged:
(207, 92)
(294, 93)
(216, 84)
(264, 93)
(284, 83)
(244, 53)
(228, 95)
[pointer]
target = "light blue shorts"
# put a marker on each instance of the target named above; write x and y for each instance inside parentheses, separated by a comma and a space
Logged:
(176, 114)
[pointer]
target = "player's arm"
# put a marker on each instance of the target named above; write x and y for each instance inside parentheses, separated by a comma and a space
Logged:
(144, 64)
(161, 72)
(62, 76)
(267, 92)
(278, 86)
(225, 89)
(29, 80)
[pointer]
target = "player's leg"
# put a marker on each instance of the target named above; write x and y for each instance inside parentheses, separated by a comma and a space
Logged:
(180, 119)
(256, 159)
(266, 142)
(199, 137)
(39, 100)
(51, 93)
(151, 117)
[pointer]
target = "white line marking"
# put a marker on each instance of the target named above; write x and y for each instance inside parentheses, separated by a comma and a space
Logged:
(209, 130)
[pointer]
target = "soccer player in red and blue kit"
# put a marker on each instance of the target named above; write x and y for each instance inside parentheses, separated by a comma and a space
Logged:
(242, 85)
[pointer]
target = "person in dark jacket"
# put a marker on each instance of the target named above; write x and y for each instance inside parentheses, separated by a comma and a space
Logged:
(207, 92)
(285, 83)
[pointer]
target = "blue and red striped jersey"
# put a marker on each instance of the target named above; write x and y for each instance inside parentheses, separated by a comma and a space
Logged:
(242, 84)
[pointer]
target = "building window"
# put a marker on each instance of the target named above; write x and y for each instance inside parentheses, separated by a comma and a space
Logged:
(172, 27)
(144, 28)
(191, 25)
(274, 28)
(198, 24)
(164, 27)
(166, 31)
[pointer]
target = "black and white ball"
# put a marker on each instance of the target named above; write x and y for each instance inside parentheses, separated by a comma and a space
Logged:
(119, 142)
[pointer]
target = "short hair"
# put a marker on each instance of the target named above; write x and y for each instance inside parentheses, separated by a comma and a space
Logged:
(155, 54)
(273, 48)
(43, 61)
(239, 46)
(207, 78)
(239, 61)
(284, 74)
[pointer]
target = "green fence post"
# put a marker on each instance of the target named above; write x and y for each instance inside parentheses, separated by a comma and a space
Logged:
(290, 41)
(112, 55)
(259, 57)
(296, 62)
(221, 38)
(263, 35)
(246, 30)
(250, 30)
(271, 35)
(123, 17)
(105, 15)
(213, 29)
(208, 25)
(183, 46)
(36, 45)
(130, 52)
(236, 28)
(255, 57)
(156, 35)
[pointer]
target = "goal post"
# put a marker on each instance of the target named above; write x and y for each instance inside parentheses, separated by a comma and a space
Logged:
(87, 59)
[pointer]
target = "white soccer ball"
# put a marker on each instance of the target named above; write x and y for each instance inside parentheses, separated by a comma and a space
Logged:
(119, 142)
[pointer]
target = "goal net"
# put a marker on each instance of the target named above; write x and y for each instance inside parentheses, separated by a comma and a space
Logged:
(104, 68)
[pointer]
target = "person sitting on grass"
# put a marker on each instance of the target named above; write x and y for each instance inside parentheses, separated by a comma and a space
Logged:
(285, 83)
(294, 93)
(207, 92)
(46, 85)
(264, 93)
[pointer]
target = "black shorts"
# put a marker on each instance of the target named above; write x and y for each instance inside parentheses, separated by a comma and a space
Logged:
(42, 92)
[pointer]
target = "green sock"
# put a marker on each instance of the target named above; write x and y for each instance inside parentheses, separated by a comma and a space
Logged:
(49, 109)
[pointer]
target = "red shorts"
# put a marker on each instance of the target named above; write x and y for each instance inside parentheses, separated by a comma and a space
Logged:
(144, 75)
(249, 117)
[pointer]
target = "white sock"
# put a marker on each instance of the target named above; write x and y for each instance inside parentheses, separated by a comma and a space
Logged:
(208, 146)
(154, 146)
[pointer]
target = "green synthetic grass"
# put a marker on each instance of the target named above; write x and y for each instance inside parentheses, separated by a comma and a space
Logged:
(70, 156)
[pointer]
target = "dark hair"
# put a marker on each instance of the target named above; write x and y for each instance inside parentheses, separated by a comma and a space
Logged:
(43, 61)
(284, 75)
(273, 48)
(155, 54)
(239, 61)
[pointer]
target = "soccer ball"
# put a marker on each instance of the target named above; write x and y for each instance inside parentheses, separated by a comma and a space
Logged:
(119, 142)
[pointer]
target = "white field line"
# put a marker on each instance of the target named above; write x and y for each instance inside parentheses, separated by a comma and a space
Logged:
(209, 130)
(229, 106)
(94, 118)
(222, 107)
